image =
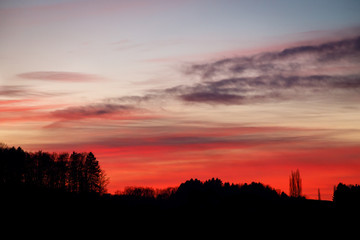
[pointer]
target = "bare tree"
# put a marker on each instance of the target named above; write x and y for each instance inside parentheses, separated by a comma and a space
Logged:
(295, 184)
(103, 182)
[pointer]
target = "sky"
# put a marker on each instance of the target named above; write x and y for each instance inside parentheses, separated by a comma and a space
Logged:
(164, 91)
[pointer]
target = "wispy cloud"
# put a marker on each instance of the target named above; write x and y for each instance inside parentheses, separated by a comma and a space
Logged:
(330, 69)
(294, 73)
(60, 76)
(12, 91)
(16, 91)
(296, 59)
(178, 138)
(93, 111)
(268, 88)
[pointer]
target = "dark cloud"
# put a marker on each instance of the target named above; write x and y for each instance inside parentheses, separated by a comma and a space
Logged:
(91, 111)
(212, 97)
(60, 76)
(292, 73)
(267, 77)
(264, 89)
(248, 90)
(286, 61)
(346, 48)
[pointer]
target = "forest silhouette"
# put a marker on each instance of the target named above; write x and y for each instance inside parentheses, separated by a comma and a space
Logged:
(75, 182)
(76, 172)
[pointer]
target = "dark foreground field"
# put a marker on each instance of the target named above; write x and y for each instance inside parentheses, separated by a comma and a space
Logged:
(194, 213)
(205, 201)
(65, 190)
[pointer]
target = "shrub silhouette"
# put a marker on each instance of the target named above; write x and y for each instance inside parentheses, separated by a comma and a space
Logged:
(139, 192)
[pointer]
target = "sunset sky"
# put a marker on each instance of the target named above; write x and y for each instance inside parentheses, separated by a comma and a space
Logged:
(164, 91)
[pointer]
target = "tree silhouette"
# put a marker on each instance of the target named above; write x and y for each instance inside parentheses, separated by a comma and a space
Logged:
(92, 173)
(62, 170)
(103, 181)
(79, 172)
(51, 179)
(76, 172)
(347, 196)
(295, 184)
(140, 192)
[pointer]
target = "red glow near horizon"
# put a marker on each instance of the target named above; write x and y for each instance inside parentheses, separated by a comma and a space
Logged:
(269, 168)
(161, 166)
(166, 101)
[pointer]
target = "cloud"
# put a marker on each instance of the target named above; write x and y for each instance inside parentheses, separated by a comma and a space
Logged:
(291, 74)
(60, 76)
(328, 70)
(212, 97)
(15, 91)
(12, 91)
(249, 90)
(296, 73)
(269, 88)
(180, 138)
(93, 111)
(282, 62)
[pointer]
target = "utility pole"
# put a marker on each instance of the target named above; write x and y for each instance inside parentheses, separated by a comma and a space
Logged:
(319, 198)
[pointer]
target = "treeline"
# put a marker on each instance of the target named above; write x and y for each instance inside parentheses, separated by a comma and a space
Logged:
(216, 198)
(81, 173)
(347, 195)
(212, 190)
(204, 198)
(194, 189)
(147, 192)
(75, 172)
